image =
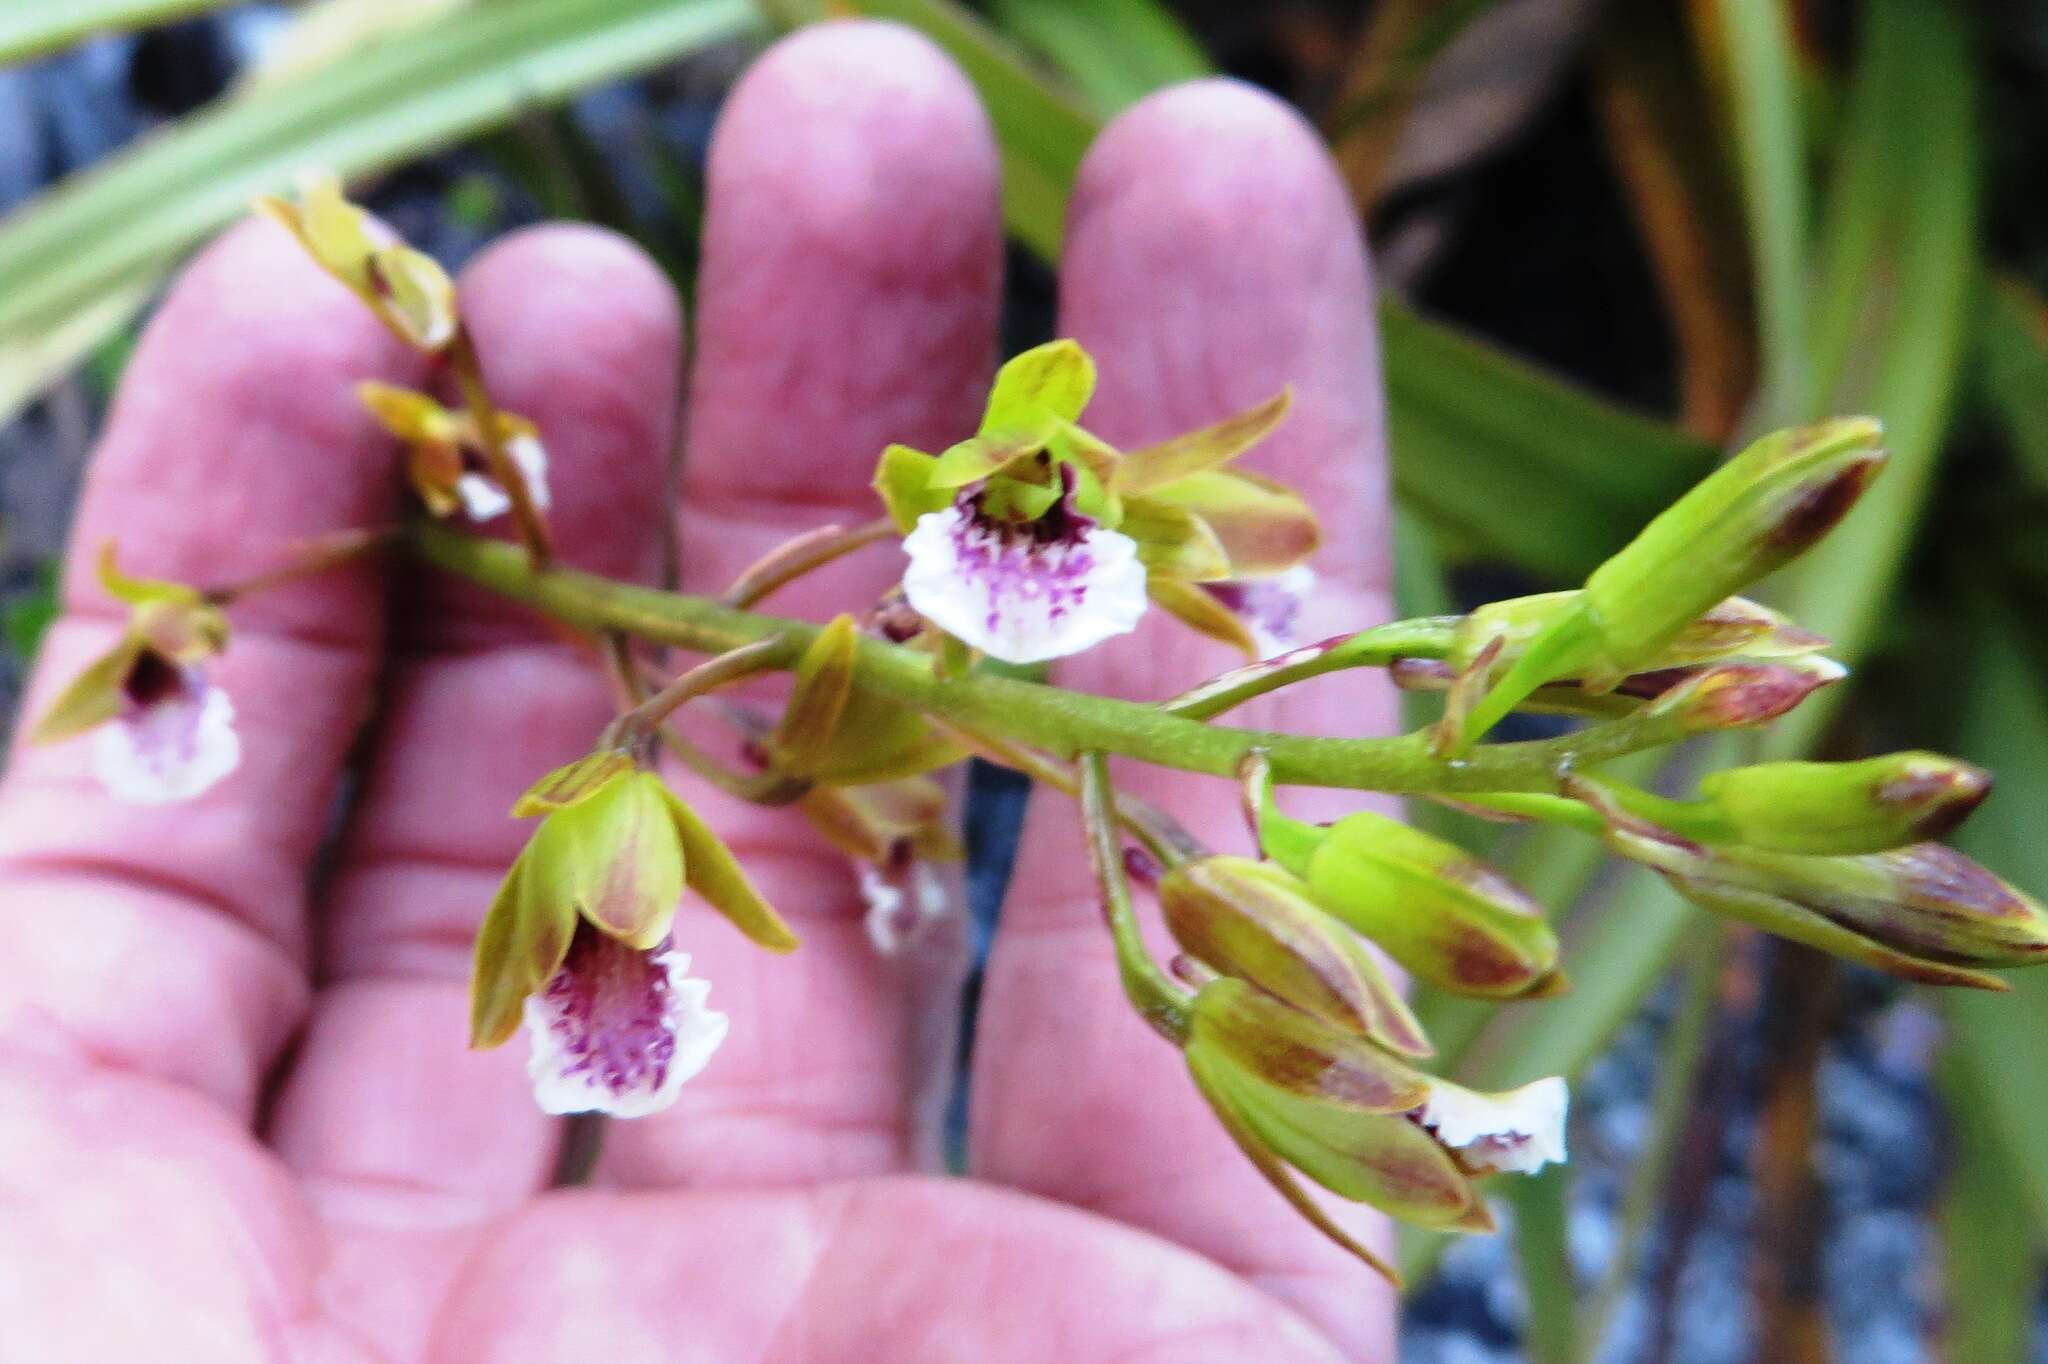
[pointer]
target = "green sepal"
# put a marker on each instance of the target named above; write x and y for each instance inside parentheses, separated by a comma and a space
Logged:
(1437, 910)
(1173, 542)
(141, 591)
(1256, 922)
(1329, 1105)
(94, 697)
(1211, 447)
(879, 740)
(521, 944)
(573, 783)
(1276, 1172)
(1264, 526)
(1055, 379)
(613, 858)
(903, 480)
(1201, 612)
(817, 699)
(869, 822)
(715, 874)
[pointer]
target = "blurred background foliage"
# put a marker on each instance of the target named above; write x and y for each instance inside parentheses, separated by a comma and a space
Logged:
(1612, 239)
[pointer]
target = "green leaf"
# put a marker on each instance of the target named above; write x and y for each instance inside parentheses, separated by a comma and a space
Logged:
(1114, 52)
(111, 232)
(1899, 256)
(1988, 1253)
(2012, 341)
(1041, 132)
(1525, 466)
(1994, 1041)
(31, 29)
(26, 619)
(1771, 156)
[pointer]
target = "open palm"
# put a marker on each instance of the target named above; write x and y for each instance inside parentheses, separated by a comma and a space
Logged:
(237, 1120)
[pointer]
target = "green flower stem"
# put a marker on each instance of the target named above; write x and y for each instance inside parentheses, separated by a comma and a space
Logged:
(468, 369)
(1426, 637)
(805, 554)
(1151, 991)
(729, 666)
(1162, 834)
(1686, 818)
(1058, 721)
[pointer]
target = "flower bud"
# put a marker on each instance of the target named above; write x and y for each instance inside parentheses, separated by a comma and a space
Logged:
(1737, 695)
(1735, 627)
(1853, 807)
(1925, 912)
(406, 289)
(1757, 511)
(1323, 1102)
(1437, 910)
(1256, 922)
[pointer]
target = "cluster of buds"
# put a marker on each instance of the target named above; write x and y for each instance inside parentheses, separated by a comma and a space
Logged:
(1308, 1053)
(1034, 538)
(1659, 611)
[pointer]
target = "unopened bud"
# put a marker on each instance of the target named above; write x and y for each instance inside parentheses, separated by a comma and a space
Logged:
(1437, 910)
(1762, 508)
(1854, 807)
(1925, 912)
(1255, 921)
(1757, 511)
(1304, 1093)
(1736, 695)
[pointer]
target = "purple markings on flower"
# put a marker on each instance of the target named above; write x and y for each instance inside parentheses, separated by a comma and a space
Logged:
(1269, 607)
(174, 738)
(1023, 592)
(1521, 1130)
(618, 1030)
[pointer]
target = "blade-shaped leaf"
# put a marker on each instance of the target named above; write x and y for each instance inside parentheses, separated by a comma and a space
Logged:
(119, 225)
(30, 29)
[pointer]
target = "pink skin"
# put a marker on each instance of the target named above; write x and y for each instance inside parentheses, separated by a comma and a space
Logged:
(237, 1121)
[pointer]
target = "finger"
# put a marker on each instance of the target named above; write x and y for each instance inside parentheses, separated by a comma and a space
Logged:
(1212, 257)
(848, 295)
(172, 940)
(387, 1114)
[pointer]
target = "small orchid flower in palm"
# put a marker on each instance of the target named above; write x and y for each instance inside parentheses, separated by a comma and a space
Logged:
(1035, 539)
(162, 731)
(447, 462)
(578, 946)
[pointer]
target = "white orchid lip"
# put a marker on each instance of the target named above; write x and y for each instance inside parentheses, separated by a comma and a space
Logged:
(483, 499)
(174, 738)
(1269, 607)
(1023, 592)
(905, 900)
(617, 1030)
(1520, 1130)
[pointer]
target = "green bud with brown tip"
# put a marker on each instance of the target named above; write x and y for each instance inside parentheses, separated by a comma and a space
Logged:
(1437, 910)
(1256, 922)
(1845, 808)
(1326, 1104)
(1762, 508)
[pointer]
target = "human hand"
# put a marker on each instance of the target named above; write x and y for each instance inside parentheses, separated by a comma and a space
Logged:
(236, 1117)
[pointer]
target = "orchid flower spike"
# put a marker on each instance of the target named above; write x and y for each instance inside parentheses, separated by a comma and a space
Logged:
(162, 731)
(578, 944)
